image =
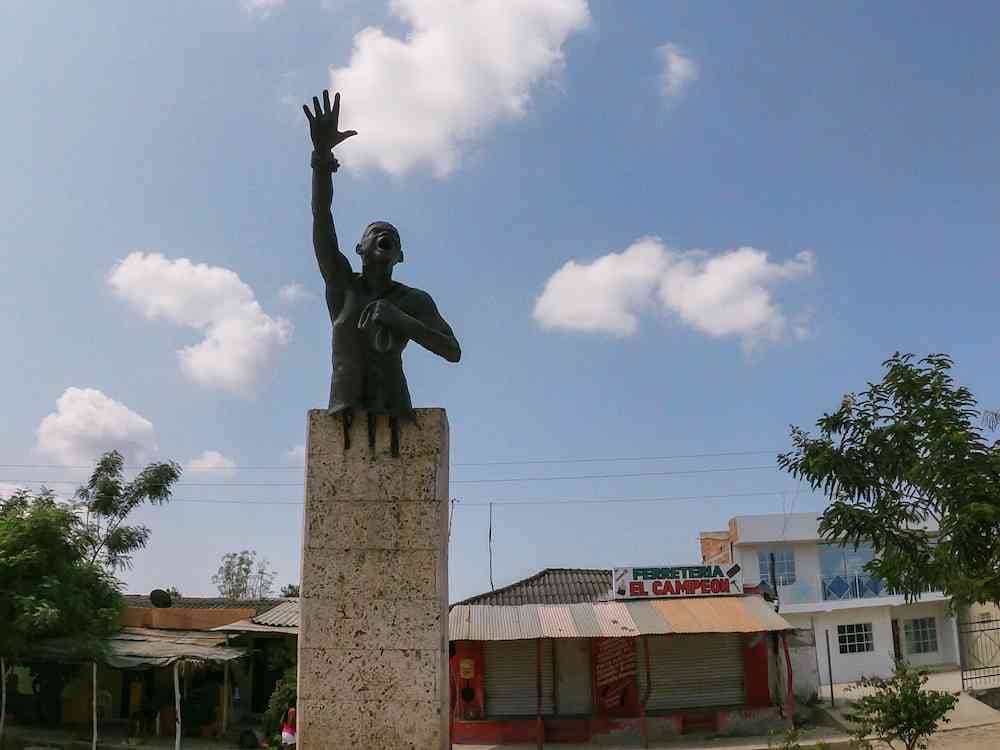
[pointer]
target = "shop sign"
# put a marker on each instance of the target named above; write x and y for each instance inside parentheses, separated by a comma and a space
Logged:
(677, 581)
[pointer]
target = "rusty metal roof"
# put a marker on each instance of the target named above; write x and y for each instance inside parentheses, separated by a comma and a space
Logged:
(622, 619)
(552, 586)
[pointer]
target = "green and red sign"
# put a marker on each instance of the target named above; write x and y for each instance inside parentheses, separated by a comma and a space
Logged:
(677, 581)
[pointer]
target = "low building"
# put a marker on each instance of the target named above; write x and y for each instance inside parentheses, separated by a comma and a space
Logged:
(133, 676)
(823, 588)
(563, 656)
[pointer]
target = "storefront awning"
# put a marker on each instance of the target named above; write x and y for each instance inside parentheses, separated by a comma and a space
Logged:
(620, 619)
(138, 648)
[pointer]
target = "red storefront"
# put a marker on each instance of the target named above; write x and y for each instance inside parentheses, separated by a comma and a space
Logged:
(646, 668)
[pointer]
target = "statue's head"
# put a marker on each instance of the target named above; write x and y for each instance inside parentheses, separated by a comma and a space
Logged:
(380, 243)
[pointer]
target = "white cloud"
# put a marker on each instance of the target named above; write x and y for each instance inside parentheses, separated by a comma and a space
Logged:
(678, 71)
(87, 423)
(294, 293)
(213, 462)
(463, 67)
(727, 294)
(296, 454)
(241, 341)
(261, 8)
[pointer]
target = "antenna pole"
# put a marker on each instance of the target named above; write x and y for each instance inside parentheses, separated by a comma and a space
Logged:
(492, 588)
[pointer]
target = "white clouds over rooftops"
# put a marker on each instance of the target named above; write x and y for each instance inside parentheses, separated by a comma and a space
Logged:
(678, 71)
(729, 294)
(241, 341)
(87, 423)
(212, 462)
(464, 66)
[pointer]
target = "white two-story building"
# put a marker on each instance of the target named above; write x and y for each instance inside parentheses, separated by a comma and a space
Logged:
(824, 587)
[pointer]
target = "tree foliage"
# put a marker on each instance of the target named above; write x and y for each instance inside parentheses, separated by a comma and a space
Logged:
(49, 584)
(244, 576)
(108, 500)
(290, 590)
(905, 467)
(899, 709)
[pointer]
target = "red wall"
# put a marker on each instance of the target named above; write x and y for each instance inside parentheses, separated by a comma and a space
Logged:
(470, 725)
(468, 696)
(755, 670)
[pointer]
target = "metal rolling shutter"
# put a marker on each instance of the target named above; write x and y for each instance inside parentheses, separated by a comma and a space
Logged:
(573, 694)
(511, 669)
(692, 671)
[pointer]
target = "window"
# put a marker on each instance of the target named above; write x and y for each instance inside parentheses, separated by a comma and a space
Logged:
(921, 635)
(855, 638)
(784, 565)
(844, 560)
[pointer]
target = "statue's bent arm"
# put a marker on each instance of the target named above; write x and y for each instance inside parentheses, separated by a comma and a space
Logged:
(430, 330)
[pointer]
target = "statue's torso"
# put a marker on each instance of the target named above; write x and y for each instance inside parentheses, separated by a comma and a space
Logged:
(364, 377)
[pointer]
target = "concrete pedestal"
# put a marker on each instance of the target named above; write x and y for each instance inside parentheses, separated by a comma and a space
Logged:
(373, 641)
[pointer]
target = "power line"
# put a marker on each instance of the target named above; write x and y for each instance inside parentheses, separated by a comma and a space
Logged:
(676, 472)
(521, 501)
(504, 462)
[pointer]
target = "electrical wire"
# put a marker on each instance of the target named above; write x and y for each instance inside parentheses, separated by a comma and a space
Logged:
(521, 501)
(504, 462)
(676, 472)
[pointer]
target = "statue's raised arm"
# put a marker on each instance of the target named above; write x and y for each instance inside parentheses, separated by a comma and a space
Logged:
(323, 129)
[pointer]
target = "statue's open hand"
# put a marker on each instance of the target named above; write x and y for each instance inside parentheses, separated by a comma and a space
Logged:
(323, 123)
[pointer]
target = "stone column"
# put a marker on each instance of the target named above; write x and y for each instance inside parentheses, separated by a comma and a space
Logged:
(373, 640)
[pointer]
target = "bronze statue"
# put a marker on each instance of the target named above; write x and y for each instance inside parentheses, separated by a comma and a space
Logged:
(373, 316)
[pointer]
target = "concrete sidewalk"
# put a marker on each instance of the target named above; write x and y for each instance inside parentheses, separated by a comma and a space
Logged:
(808, 738)
(968, 713)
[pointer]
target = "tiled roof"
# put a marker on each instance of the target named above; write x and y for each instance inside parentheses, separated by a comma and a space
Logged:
(552, 586)
(141, 601)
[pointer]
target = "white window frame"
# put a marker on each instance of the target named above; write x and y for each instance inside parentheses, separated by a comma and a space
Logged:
(855, 638)
(920, 634)
(784, 565)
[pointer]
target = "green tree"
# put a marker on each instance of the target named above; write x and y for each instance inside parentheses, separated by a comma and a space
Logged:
(49, 585)
(899, 709)
(244, 576)
(57, 560)
(107, 499)
(906, 468)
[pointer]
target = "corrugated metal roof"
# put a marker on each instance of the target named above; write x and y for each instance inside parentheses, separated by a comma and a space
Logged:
(249, 626)
(285, 614)
(133, 648)
(617, 619)
(552, 586)
(732, 614)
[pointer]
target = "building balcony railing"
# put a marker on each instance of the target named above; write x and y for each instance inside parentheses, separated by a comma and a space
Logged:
(859, 586)
(834, 589)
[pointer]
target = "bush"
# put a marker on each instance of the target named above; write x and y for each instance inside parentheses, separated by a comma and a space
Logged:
(900, 709)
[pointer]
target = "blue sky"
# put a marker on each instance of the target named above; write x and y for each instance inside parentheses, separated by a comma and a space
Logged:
(850, 150)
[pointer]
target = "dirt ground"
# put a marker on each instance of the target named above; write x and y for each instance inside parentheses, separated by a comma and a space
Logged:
(974, 738)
